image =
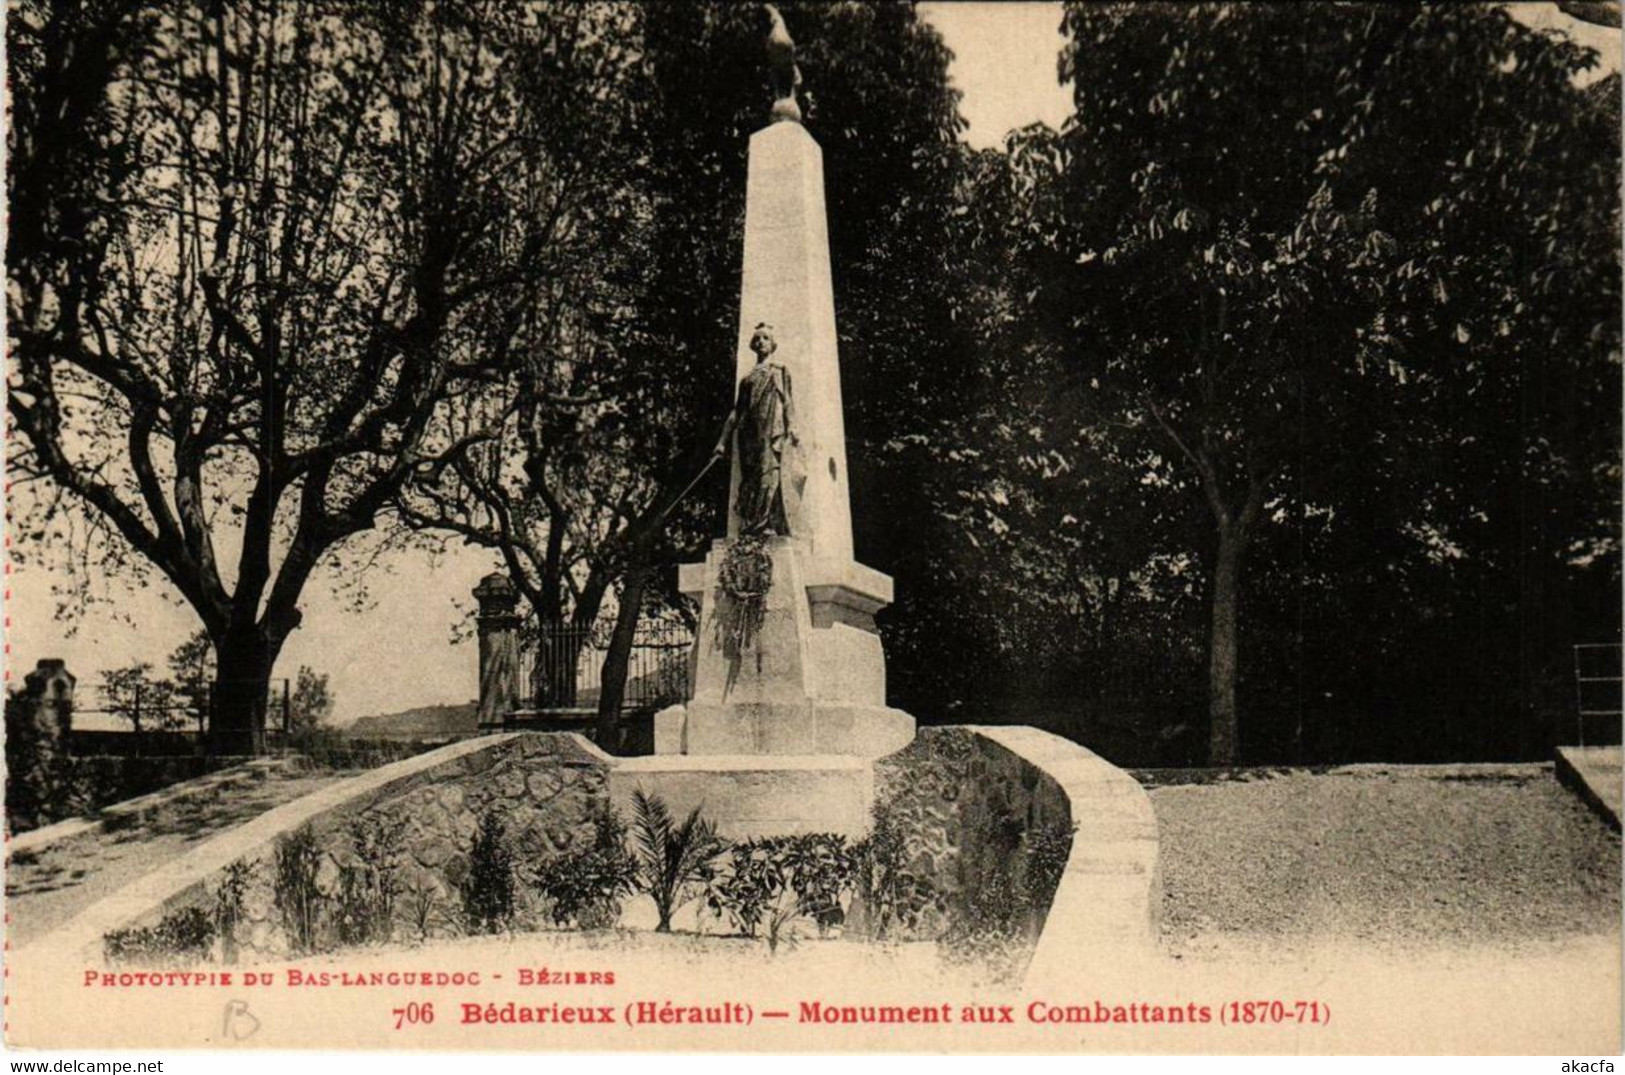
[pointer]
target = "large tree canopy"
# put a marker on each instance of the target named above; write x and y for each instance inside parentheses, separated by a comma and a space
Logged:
(1338, 284)
(260, 245)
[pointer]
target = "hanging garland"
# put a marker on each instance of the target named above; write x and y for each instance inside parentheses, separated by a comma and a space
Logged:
(746, 575)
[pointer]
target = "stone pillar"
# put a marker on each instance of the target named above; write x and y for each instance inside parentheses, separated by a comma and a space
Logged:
(498, 627)
(51, 684)
(39, 788)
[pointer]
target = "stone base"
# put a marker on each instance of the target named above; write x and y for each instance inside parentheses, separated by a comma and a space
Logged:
(807, 728)
(754, 796)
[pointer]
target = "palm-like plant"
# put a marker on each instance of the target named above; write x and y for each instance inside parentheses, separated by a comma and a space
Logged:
(672, 858)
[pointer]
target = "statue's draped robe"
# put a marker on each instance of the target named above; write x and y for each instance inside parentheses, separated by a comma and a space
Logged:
(764, 448)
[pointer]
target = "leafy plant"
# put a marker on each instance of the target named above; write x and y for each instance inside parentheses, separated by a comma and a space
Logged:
(488, 890)
(585, 885)
(673, 858)
(989, 930)
(183, 936)
(780, 881)
(893, 895)
(297, 857)
(425, 907)
(369, 884)
(228, 906)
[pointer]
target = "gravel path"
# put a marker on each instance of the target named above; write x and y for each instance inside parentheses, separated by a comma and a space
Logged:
(1390, 857)
(46, 888)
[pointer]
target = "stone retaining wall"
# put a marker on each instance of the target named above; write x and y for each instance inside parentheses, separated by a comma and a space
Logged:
(545, 788)
(971, 806)
(971, 801)
(965, 807)
(1107, 907)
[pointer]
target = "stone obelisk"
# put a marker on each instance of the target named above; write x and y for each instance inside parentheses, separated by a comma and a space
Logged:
(806, 675)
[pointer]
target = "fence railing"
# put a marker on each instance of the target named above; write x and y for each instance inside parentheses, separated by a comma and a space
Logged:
(561, 666)
(1598, 684)
(161, 708)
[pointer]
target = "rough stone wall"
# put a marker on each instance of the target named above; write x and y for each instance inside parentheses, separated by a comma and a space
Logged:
(964, 805)
(545, 788)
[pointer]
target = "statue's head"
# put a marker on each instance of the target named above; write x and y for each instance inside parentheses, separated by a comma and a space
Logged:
(762, 341)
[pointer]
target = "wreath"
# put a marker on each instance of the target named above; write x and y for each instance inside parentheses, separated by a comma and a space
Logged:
(746, 575)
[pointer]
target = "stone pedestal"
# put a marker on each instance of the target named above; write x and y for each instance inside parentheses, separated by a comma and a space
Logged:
(811, 680)
(754, 796)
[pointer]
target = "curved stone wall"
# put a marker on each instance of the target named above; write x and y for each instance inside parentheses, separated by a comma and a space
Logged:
(544, 787)
(967, 799)
(1106, 909)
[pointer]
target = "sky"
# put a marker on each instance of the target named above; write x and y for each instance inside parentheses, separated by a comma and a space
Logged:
(398, 653)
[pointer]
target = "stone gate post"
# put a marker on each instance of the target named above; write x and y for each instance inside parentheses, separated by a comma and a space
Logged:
(498, 627)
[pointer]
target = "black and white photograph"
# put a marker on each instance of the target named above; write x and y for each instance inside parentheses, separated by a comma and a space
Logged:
(809, 527)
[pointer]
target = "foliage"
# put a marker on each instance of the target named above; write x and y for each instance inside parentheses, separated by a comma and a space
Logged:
(674, 859)
(191, 667)
(369, 882)
(311, 701)
(426, 909)
(488, 889)
(893, 894)
(295, 861)
(1254, 322)
(180, 937)
(575, 492)
(1006, 896)
(228, 905)
(135, 694)
(585, 885)
(262, 251)
(779, 881)
(989, 932)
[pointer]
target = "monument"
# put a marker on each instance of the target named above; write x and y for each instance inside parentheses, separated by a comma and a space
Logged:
(788, 705)
(788, 660)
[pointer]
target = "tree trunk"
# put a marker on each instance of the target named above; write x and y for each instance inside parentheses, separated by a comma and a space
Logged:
(1222, 640)
(242, 688)
(612, 685)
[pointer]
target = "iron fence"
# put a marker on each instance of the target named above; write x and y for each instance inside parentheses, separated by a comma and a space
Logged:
(1597, 690)
(162, 713)
(561, 666)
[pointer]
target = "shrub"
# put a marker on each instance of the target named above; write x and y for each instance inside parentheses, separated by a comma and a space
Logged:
(989, 930)
(998, 922)
(297, 857)
(426, 909)
(893, 895)
(370, 883)
(585, 886)
(184, 936)
(673, 859)
(779, 881)
(228, 906)
(488, 890)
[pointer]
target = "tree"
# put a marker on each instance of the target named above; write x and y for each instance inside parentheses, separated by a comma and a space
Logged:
(597, 421)
(260, 245)
(311, 702)
(1284, 248)
(191, 669)
(134, 694)
(618, 404)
